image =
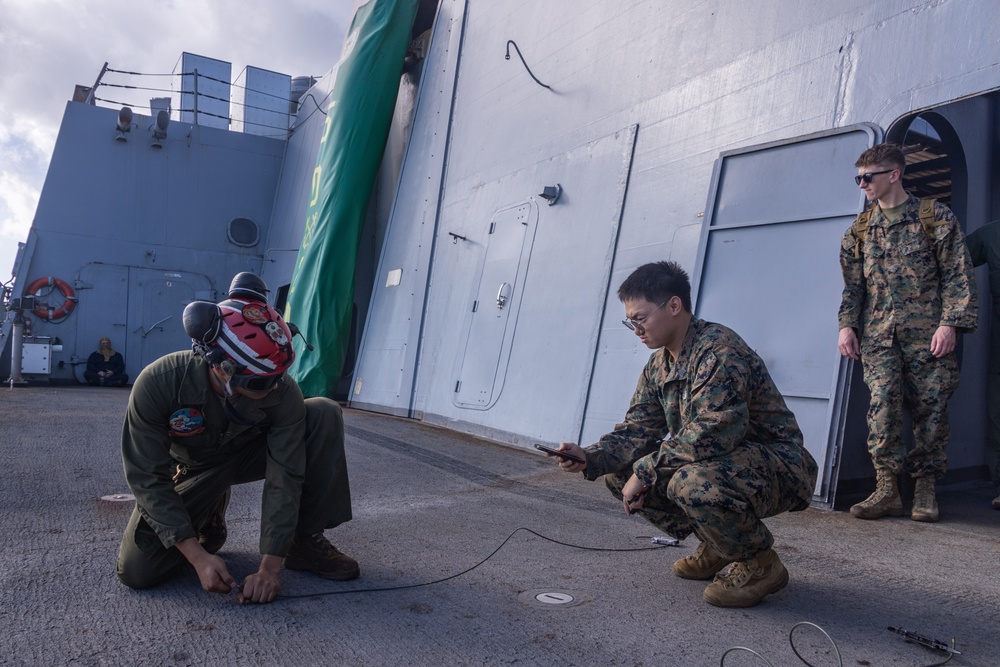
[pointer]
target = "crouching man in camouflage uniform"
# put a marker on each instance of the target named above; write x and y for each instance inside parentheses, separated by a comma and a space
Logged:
(226, 413)
(909, 283)
(708, 445)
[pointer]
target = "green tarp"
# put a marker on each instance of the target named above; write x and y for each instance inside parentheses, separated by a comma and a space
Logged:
(359, 113)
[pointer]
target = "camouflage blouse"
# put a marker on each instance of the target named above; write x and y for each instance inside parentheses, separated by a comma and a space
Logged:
(903, 282)
(714, 397)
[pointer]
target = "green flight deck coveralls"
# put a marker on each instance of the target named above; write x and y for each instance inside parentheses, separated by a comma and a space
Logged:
(712, 439)
(182, 454)
(900, 285)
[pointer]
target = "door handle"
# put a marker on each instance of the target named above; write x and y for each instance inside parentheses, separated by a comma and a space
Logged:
(501, 299)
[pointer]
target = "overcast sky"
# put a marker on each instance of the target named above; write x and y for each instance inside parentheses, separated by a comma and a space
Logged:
(49, 46)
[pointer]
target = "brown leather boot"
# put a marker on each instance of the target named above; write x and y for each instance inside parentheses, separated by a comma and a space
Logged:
(748, 581)
(925, 507)
(315, 554)
(884, 501)
(702, 564)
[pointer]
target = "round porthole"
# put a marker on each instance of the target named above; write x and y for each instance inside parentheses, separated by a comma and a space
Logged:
(243, 232)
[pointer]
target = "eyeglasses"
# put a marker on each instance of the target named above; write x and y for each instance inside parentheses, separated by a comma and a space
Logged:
(255, 382)
(867, 178)
(637, 325)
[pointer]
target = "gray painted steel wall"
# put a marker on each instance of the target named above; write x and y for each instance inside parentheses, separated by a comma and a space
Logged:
(644, 99)
(698, 81)
(140, 231)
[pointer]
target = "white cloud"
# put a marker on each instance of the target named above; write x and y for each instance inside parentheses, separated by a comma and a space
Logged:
(49, 46)
(20, 198)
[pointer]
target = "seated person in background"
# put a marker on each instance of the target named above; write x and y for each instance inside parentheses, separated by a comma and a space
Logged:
(106, 368)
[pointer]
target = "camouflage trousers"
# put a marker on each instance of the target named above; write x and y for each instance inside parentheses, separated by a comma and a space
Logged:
(907, 373)
(723, 500)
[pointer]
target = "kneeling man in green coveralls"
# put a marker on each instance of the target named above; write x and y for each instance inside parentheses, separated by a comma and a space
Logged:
(708, 445)
(223, 414)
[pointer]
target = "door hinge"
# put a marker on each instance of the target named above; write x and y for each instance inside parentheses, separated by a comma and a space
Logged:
(475, 306)
(458, 385)
(493, 226)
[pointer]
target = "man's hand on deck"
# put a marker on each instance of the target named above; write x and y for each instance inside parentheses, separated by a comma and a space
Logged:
(211, 569)
(262, 586)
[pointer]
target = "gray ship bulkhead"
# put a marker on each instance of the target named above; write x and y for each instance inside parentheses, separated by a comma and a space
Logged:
(704, 130)
(721, 135)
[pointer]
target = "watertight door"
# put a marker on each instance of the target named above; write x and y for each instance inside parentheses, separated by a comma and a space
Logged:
(496, 304)
(768, 267)
(103, 311)
(156, 303)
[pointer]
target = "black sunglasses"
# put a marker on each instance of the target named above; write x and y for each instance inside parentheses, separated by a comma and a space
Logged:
(255, 382)
(867, 178)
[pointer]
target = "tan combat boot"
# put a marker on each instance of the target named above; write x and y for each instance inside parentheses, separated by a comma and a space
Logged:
(748, 581)
(925, 506)
(702, 564)
(884, 501)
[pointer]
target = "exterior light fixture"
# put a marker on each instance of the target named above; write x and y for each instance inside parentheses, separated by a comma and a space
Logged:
(124, 123)
(160, 128)
(551, 193)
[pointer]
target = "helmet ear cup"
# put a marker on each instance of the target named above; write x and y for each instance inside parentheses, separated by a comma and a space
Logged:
(202, 321)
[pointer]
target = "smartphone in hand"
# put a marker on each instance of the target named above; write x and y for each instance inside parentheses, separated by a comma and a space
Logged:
(563, 455)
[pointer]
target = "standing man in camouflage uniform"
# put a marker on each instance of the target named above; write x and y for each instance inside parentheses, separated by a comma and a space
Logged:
(909, 283)
(984, 247)
(708, 445)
